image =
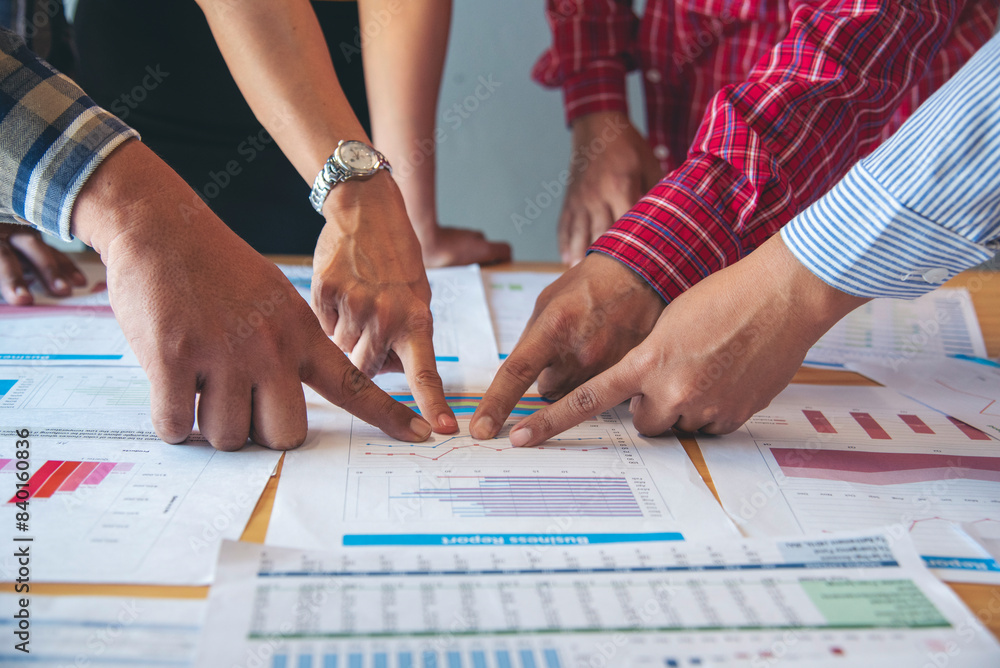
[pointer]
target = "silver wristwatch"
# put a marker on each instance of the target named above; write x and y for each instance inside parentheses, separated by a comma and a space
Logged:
(350, 160)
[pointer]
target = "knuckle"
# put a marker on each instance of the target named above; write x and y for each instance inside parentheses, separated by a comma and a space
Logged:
(172, 428)
(519, 371)
(428, 379)
(421, 321)
(353, 383)
(584, 401)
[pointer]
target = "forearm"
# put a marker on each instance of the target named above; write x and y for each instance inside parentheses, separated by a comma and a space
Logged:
(404, 50)
(924, 206)
(773, 144)
(56, 138)
(280, 61)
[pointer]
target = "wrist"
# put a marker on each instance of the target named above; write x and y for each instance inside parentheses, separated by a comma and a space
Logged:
(815, 305)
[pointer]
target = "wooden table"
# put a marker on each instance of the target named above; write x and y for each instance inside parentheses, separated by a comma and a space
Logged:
(983, 600)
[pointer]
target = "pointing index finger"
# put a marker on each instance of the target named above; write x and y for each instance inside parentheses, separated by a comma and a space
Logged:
(600, 393)
(513, 379)
(328, 372)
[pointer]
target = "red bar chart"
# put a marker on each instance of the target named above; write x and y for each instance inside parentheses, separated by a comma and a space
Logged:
(969, 430)
(871, 426)
(819, 422)
(55, 476)
(915, 423)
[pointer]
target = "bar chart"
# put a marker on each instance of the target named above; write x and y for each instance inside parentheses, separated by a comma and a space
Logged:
(131, 510)
(55, 476)
(435, 495)
(472, 658)
(827, 459)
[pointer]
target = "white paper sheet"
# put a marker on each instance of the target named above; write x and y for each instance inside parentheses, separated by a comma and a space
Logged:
(62, 336)
(599, 482)
(818, 601)
(845, 458)
(512, 296)
(939, 323)
(103, 631)
(118, 505)
(968, 389)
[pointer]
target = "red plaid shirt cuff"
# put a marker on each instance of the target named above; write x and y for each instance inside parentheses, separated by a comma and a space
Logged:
(672, 238)
(600, 87)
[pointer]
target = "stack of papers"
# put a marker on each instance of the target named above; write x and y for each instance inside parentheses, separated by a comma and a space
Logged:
(599, 547)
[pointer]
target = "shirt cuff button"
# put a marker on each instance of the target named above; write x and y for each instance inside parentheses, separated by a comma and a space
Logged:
(936, 275)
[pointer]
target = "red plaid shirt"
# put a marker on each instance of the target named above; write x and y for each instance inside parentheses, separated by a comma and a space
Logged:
(770, 101)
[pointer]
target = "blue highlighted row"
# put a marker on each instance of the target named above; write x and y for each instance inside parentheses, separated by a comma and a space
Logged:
(962, 564)
(524, 658)
(42, 357)
(356, 540)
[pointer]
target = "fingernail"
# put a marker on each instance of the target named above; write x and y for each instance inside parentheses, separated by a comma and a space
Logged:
(486, 425)
(420, 427)
(21, 291)
(520, 436)
(633, 404)
(59, 284)
(447, 422)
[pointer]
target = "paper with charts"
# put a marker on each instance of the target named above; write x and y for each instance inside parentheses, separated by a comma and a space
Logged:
(845, 458)
(103, 631)
(598, 482)
(940, 323)
(464, 346)
(105, 489)
(968, 389)
(62, 336)
(511, 296)
(860, 600)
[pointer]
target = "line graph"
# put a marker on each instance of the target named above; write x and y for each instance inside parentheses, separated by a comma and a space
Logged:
(591, 444)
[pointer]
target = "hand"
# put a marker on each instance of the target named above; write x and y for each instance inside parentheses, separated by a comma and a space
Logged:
(371, 293)
(582, 324)
(604, 183)
(453, 246)
(22, 246)
(718, 354)
(205, 313)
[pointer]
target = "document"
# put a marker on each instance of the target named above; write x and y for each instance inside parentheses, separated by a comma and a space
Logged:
(61, 336)
(512, 296)
(43, 393)
(863, 600)
(464, 346)
(103, 631)
(942, 322)
(596, 483)
(107, 504)
(965, 388)
(823, 458)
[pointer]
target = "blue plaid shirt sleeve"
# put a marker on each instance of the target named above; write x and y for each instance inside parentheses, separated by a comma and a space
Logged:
(52, 138)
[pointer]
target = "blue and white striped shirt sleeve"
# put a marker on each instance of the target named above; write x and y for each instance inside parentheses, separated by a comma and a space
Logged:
(921, 208)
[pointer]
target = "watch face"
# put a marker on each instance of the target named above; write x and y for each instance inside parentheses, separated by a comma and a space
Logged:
(357, 156)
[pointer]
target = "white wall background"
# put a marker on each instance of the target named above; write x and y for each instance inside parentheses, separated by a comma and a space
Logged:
(514, 141)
